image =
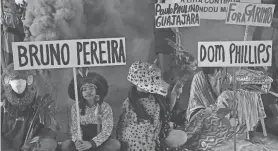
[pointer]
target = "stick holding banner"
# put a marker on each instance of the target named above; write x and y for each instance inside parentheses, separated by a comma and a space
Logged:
(246, 33)
(77, 106)
(249, 14)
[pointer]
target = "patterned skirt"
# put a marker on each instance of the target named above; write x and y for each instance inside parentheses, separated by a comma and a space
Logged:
(205, 131)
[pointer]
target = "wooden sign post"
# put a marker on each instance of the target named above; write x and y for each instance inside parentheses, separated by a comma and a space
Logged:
(249, 14)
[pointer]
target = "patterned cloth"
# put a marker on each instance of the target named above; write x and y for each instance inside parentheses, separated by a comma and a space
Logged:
(206, 130)
(202, 93)
(140, 135)
(249, 106)
(91, 117)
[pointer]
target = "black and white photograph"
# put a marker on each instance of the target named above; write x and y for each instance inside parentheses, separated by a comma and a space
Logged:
(139, 75)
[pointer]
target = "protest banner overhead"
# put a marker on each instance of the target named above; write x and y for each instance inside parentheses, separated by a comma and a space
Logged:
(169, 15)
(234, 53)
(69, 53)
(250, 14)
(212, 9)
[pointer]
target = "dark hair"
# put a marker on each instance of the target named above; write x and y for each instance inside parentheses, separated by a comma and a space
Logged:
(134, 96)
(210, 70)
(93, 78)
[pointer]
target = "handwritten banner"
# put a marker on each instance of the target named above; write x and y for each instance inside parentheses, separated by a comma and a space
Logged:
(168, 15)
(69, 53)
(250, 14)
(212, 9)
(234, 53)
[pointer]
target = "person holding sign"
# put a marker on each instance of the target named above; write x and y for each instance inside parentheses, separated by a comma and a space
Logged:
(94, 112)
(26, 121)
(206, 86)
(145, 120)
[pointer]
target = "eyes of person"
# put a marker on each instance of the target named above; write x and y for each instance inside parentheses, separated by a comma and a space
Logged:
(90, 88)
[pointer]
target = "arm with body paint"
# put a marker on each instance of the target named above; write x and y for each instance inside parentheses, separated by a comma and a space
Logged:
(107, 125)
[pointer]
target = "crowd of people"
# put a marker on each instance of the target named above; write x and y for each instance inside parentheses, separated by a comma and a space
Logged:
(145, 122)
(147, 118)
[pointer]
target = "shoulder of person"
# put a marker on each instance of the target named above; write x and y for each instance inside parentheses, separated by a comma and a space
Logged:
(125, 103)
(106, 106)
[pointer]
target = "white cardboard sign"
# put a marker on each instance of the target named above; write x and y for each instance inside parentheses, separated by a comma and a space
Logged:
(169, 15)
(234, 53)
(212, 9)
(69, 53)
(250, 14)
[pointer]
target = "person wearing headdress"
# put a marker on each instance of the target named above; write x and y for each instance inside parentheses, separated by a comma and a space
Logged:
(144, 123)
(25, 119)
(92, 89)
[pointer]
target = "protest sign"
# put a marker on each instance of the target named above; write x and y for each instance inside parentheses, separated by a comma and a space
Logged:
(250, 14)
(234, 53)
(168, 15)
(69, 53)
(212, 9)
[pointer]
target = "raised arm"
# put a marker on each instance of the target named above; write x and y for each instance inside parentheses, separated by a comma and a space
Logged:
(107, 125)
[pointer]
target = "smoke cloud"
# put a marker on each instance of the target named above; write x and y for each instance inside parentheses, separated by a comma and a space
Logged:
(75, 19)
(88, 19)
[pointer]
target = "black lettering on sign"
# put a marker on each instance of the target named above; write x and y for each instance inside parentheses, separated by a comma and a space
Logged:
(214, 53)
(178, 20)
(101, 52)
(157, 9)
(33, 51)
(113, 50)
(231, 50)
(43, 55)
(115, 57)
(85, 53)
(203, 53)
(21, 55)
(121, 52)
(256, 13)
(79, 50)
(108, 50)
(230, 10)
(249, 54)
(256, 57)
(210, 53)
(65, 54)
(94, 56)
(246, 55)
(266, 49)
(55, 54)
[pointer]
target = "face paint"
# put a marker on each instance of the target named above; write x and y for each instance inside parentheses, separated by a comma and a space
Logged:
(89, 93)
(18, 85)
